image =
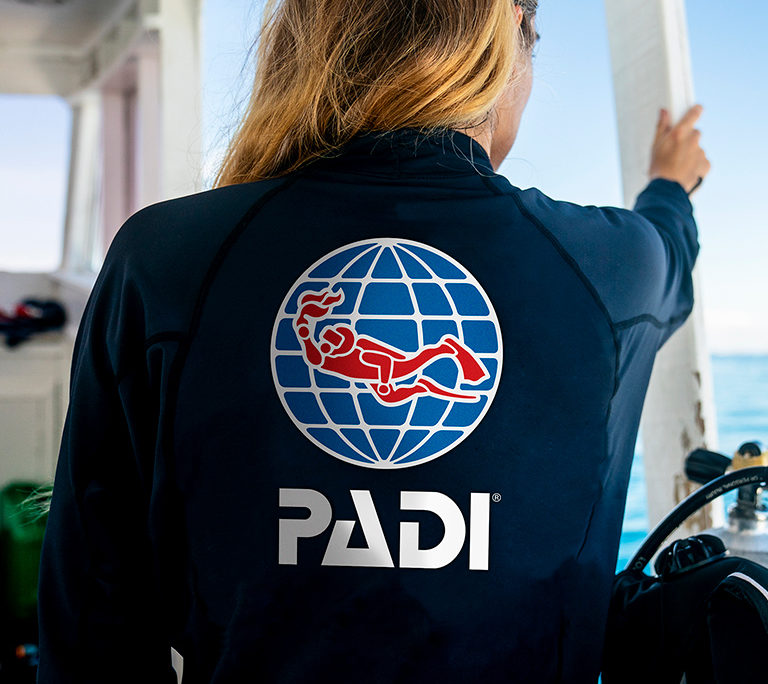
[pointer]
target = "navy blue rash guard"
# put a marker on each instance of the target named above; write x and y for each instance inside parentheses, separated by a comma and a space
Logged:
(369, 422)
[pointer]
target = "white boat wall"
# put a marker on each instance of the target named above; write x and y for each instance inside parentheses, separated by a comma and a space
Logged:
(130, 71)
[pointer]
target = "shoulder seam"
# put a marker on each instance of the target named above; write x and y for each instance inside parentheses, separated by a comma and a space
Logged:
(152, 340)
(174, 378)
(571, 263)
(166, 336)
(649, 318)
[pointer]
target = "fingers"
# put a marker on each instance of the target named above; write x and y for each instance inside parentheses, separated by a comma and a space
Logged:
(686, 124)
(703, 166)
(676, 153)
(663, 123)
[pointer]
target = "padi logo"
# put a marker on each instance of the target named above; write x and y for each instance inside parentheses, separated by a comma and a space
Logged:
(386, 353)
(377, 553)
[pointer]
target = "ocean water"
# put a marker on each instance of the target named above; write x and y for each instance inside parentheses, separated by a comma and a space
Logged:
(741, 399)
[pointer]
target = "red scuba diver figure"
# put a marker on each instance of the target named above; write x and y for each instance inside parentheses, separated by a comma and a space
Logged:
(340, 351)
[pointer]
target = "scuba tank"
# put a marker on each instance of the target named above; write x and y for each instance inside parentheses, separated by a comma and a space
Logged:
(745, 533)
(703, 617)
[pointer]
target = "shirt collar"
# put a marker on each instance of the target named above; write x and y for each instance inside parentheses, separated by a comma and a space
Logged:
(410, 152)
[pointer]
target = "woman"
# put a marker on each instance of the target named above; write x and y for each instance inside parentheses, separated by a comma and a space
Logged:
(366, 411)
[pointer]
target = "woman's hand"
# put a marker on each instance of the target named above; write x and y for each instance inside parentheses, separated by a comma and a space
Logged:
(676, 154)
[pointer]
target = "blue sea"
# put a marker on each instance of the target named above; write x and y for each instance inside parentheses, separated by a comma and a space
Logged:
(741, 399)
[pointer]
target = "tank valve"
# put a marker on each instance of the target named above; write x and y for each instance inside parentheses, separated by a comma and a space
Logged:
(746, 530)
(703, 466)
(749, 454)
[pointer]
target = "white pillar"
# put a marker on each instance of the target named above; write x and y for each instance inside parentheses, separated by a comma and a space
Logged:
(181, 97)
(115, 135)
(148, 150)
(83, 193)
(651, 68)
(169, 103)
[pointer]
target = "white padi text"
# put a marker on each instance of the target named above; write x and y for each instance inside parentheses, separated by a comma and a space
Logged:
(377, 553)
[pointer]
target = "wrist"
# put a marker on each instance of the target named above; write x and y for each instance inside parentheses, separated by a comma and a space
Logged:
(670, 178)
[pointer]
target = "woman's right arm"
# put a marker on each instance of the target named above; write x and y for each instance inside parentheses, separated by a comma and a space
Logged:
(638, 262)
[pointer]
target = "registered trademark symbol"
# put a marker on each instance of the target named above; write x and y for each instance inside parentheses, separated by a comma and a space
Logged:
(496, 497)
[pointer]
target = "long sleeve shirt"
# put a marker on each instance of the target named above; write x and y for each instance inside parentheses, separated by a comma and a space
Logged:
(372, 421)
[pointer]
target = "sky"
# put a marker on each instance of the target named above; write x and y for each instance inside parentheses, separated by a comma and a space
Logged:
(567, 146)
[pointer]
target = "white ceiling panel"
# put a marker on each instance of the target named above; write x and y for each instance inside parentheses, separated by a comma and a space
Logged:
(54, 26)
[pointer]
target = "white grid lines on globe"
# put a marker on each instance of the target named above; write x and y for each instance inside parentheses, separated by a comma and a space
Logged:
(355, 317)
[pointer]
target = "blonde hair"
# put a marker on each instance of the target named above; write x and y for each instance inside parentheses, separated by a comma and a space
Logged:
(330, 69)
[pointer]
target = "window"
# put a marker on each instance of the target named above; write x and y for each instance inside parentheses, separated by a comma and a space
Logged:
(34, 138)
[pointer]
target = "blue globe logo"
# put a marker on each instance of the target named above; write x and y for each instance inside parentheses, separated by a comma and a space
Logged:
(386, 353)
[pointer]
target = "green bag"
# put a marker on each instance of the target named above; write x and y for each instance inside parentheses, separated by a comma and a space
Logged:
(21, 538)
